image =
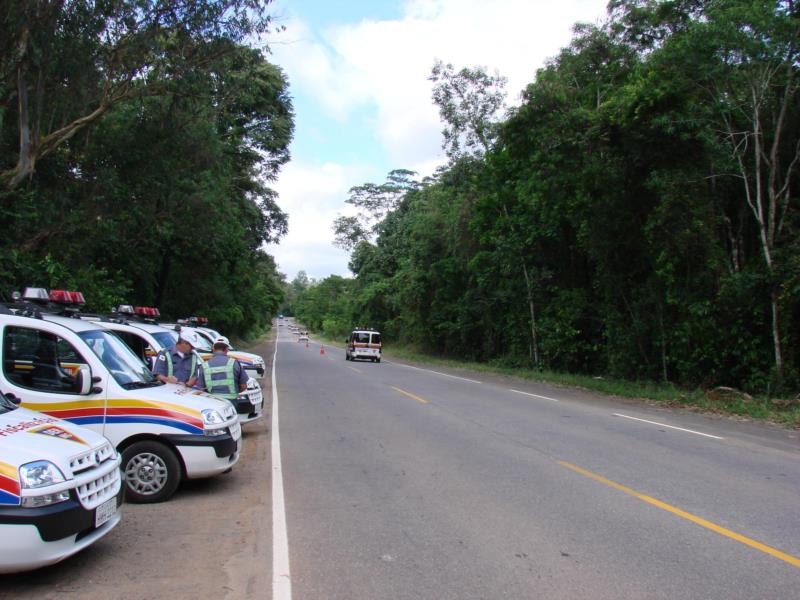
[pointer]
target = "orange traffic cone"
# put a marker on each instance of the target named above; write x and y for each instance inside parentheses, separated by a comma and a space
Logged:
(321, 349)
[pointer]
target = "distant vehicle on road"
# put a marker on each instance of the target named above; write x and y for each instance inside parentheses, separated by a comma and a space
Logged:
(363, 343)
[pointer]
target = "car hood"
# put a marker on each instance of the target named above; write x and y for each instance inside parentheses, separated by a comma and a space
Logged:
(26, 435)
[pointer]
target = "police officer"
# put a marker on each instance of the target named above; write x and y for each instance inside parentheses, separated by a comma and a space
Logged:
(222, 375)
(179, 364)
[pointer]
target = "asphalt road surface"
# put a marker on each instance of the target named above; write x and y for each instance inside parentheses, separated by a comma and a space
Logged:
(406, 483)
(400, 482)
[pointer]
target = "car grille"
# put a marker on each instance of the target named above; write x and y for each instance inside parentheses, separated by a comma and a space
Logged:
(91, 459)
(97, 475)
(97, 491)
(254, 395)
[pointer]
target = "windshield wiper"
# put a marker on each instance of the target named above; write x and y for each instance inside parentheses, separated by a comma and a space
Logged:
(136, 385)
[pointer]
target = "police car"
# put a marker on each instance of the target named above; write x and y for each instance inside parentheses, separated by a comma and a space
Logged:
(249, 404)
(60, 488)
(252, 363)
(79, 371)
(137, 328)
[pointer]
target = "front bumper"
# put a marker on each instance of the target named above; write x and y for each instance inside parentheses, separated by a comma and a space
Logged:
(37, 537)
(249, 404)
(206, 456)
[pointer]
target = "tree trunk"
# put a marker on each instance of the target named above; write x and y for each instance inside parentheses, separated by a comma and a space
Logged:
(532, 308)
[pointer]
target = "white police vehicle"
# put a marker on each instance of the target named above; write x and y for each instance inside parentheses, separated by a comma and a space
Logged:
(363, 343)
(147, 340)
(81, 372)
(252, 363)
(60, 488)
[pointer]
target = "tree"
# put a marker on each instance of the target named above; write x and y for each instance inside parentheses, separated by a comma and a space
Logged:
(373, 203)
(469, 102)
(67, 63)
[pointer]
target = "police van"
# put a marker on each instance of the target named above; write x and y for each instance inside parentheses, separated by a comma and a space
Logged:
(147, 340)
(81, 372)
(60, 488)
(363, 343)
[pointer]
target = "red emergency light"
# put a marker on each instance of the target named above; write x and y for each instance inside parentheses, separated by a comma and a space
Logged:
(147, 311)
(66, 297)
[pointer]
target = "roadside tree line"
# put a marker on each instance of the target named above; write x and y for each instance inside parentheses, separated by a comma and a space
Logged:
(137, 143)
(636, 216)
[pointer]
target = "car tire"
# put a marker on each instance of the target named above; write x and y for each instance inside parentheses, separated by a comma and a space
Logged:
(151, 472)
(377, 360)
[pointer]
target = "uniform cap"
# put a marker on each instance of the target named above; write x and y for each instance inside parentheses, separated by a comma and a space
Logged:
(222, 340)
(188, 336)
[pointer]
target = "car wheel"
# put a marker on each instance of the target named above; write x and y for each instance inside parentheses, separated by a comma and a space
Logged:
(151, 472)
(377, 360)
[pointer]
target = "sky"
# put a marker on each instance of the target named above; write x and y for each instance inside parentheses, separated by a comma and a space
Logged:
(358, 76)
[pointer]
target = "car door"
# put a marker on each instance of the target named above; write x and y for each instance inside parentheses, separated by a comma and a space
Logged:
(40, 368)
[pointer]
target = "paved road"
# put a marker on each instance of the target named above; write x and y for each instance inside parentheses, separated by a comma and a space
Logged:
(407, 483)
(402, 482)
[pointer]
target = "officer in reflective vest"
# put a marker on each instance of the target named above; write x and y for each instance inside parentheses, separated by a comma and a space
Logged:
(222, 375)
(179, 364)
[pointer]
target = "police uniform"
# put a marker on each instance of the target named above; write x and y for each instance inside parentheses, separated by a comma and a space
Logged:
(170, 362)
(222, 376)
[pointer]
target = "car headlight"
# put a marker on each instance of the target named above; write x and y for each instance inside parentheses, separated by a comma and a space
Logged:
(212, 417)
(38, 474)
(44, 499)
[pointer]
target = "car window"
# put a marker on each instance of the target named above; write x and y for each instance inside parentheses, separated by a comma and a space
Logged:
(376, 338)
(360, 338)
(135, 343)
(40, 360)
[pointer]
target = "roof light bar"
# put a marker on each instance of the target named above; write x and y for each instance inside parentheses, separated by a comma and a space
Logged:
(66, 297)
(147, 311)
(31, 293)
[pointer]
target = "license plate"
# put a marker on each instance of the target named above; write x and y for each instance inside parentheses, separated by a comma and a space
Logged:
(236, 431)
(105, 511)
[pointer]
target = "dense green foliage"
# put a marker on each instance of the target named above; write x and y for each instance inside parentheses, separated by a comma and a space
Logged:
(636, 216)
(161, 198)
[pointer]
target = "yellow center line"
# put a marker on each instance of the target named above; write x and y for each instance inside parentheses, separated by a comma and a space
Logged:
(792, 560)
(410, 395)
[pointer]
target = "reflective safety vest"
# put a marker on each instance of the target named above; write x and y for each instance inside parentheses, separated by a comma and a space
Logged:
(168, 356)
(225, 386)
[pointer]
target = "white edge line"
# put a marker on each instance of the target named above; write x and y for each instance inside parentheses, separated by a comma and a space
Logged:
(281, 576)
(716, 437)
(439, 373)
(533, 395)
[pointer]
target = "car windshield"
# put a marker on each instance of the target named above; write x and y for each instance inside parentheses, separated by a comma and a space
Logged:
(165, 339)
(203, 345)
(125, 367)
(6, 405)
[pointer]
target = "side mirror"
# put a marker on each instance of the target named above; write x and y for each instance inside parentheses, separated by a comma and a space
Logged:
(12, 398)
(84, 380)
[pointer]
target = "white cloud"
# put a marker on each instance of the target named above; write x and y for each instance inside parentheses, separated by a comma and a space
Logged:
(313, 196)
(377, 71)
(383, 65)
